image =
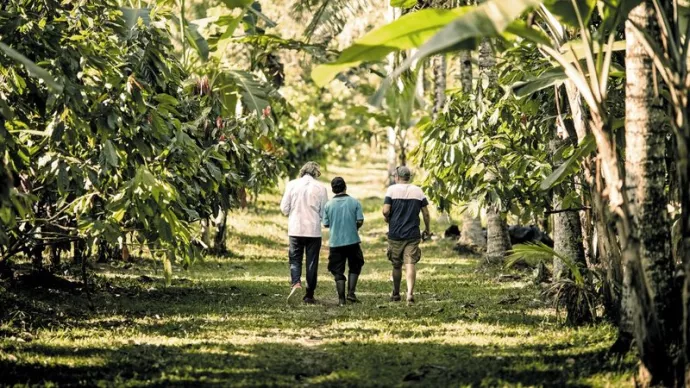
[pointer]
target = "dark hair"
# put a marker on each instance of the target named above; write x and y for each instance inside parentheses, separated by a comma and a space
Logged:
(338, 185)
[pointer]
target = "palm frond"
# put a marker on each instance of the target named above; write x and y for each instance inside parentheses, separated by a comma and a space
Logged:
(541, 252)
(328, 17)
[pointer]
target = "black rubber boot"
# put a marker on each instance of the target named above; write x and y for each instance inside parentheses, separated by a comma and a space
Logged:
(351, 287)
(340, 287)
(397, 278)
(309, 297)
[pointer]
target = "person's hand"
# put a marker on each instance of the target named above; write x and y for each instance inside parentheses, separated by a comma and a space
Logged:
(426, 235)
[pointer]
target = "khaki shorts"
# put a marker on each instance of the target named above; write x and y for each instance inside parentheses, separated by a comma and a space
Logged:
(404, 252)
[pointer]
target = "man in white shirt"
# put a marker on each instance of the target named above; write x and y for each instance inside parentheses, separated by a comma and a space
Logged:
(304, 202)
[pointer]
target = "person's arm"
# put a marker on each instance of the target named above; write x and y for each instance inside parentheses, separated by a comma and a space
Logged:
(386, 212)
(387, 202)
(324, 200)
(427, 220)
(286, 202)
(426, 216)
(326, 220)
(360, 215)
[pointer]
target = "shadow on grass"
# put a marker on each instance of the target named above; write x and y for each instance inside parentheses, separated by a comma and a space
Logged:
(258, 239)
(344, 363)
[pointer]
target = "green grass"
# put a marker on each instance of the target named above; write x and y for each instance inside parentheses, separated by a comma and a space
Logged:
(225, 321)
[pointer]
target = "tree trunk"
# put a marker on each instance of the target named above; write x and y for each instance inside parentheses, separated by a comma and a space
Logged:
(609, 253)
(206, 232)
(498, 239)
(439, 67)
(645, 181)
(471, 233)
(220, 240)
(391, 15)
(465, 64)
(567, 229)
(487, 61)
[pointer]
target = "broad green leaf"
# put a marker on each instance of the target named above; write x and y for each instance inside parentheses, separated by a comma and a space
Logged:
(196, 40)
(131, 17)
(110, 153)
(565, 11)
(408, 32)
(520, 29)
(237, 3)
(5, 110)
(404, 4)
(586, 147)
(545, 80)
(615, 12)
(225, 39)
(254, 93)
(33, 69)
(574, 50)
(164, 98)
(491, 18)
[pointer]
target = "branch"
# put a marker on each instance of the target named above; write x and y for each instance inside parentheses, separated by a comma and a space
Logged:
(570, 209)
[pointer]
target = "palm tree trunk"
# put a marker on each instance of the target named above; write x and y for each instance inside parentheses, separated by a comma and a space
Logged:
(609, 253)
(645, 181)
(567, 229)
(465, 65)
(439, 67)
(391, 156)
(487, 61)
(498, 239)
(471, 232)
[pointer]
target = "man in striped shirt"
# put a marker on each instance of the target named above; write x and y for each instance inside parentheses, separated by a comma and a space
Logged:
(401, 208)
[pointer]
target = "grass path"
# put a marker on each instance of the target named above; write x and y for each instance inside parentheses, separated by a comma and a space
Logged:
(225, 321)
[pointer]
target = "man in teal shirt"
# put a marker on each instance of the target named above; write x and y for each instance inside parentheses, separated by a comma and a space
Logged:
(343, 215)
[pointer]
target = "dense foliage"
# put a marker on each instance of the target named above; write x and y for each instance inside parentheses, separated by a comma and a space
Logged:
(488, 148)
(134, 145)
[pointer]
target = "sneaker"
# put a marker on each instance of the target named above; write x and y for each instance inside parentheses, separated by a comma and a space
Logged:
(309, 300)
(295, 288)
(410, 300)
(395, 298)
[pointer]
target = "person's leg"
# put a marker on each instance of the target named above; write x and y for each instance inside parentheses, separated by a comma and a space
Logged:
(395, 257)
(313, 247)
(411, 277)
(355, 264)
(336, 265)
(411, 256)
(295, 256)
(397, 278)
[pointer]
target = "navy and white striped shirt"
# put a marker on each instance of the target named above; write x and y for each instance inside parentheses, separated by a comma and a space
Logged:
(406, 202)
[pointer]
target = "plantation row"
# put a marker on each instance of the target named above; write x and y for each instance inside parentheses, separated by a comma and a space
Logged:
(583, 114)
(132, 131)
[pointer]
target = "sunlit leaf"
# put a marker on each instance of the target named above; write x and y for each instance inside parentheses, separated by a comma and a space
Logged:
(404, 4)
(33, 69)
(547, 79)
(585, 148)
(409, 31)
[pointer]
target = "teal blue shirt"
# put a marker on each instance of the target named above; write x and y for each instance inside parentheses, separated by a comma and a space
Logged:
(341, 215)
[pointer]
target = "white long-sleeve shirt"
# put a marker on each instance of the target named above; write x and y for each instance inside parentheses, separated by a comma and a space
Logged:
(304, 202)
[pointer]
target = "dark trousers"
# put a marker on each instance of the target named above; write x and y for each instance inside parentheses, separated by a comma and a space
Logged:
(338, 256)
(298, 246)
